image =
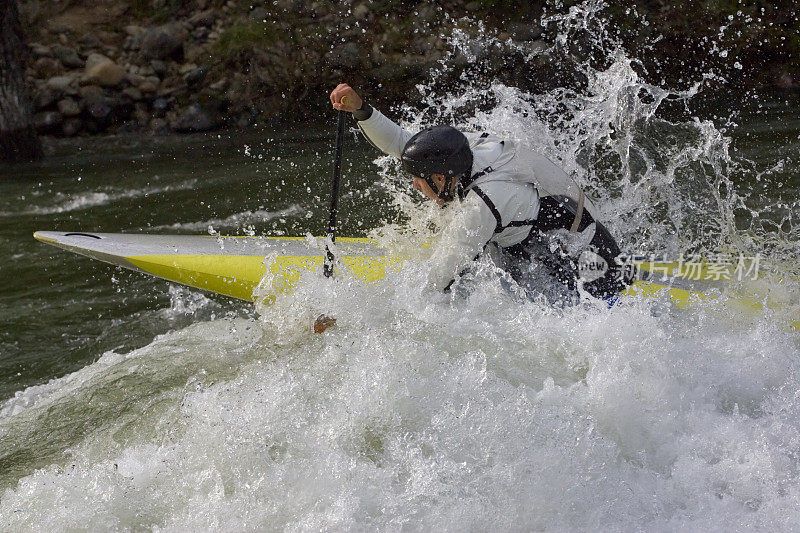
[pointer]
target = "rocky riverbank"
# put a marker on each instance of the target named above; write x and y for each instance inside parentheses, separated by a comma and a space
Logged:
(163, 66)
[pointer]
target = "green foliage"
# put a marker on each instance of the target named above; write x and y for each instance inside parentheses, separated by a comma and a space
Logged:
(240, 40)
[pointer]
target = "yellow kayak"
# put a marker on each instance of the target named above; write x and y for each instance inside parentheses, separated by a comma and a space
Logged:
(234, 266)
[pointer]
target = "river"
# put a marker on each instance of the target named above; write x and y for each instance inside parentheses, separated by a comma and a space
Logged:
(131, 403)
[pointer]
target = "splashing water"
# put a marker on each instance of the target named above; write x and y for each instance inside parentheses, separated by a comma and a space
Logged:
(474, 411)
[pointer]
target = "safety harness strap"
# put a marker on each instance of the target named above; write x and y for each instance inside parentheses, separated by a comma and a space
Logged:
(578, 215)
(482, 195)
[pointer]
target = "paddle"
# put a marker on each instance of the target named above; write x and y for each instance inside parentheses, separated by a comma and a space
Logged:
(323, 322)
(327, 268)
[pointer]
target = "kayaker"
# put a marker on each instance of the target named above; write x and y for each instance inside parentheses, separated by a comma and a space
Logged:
(516, 204)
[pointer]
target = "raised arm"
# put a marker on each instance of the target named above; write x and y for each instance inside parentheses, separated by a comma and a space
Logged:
(387, 136)
(463, 239)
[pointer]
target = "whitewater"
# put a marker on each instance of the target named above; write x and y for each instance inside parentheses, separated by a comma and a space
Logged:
(476, 410)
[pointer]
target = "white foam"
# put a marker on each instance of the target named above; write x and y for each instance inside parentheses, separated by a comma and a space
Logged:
(423, 413)
(238, 220)
(86, 200)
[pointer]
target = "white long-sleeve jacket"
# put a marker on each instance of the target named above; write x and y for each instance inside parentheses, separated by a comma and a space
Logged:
(497, 204)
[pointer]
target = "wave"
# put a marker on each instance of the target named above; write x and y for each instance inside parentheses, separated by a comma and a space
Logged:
(238, 220)
(85, 200)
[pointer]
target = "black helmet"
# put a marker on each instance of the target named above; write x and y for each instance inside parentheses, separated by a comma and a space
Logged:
(438, 150)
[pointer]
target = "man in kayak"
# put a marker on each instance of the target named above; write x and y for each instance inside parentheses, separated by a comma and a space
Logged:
(515, 202)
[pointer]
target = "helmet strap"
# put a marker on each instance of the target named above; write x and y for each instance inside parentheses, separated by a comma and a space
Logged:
(446, 194)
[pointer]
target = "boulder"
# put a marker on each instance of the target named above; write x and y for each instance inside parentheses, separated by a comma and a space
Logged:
(149, 85)
(95, 59)
(186, 68)
(219, 86)
(141, 114)
(195, 76)
(47, 67)
(134, 31)
(97, 108)
(162, 42)
(203, 18)
(105, 73)
(133, 78)
(159, 126)
(201, 33)
(131, 43)
(44, 98)
(71, 127)
(159, 67)
(90, 40)
(47, 121)
(133, 93)
(161, 106)
(361, 11)
(68, 57)
(40, 50)
(69, 107)
(57, 26)
(193, 119)
(90, 91)
(61, 84)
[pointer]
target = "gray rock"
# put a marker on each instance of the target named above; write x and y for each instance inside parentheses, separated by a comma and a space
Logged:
(90, 40)
(47, 121)
(44, 98)
(149, 85)
(68, 57)
(131, 43)
(159, 126)
(90, 91)
(95, 59)
(201, 33)
(219, 86)
(141, 114)
(361, 11)
(105, 73)
(134, 31)
(69, 107)
(134, 79)
(133, 93)
(40, 50)
(162, 42)
(159, 67)
(57, 27)
(193, 119)
(195, 76)
(71, 127)
(97, 108)
(47, 67)
(204, 18)
(61, 84)
(161, 106)
(186, 68)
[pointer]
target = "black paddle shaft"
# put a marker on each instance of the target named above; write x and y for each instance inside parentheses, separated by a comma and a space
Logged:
(337, 177)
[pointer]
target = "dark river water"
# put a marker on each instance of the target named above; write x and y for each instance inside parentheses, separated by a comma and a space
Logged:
(60, 311)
